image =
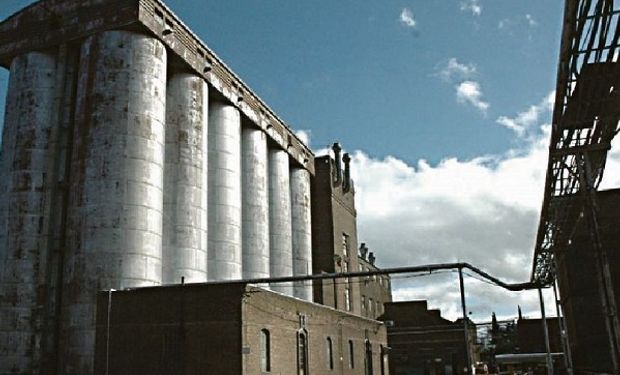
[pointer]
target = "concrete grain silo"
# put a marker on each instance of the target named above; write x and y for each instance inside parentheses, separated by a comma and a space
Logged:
(25, 191)
(132, 156)
(114, 231)
(185, 179)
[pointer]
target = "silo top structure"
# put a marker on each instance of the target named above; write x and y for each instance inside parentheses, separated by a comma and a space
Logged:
(51, 23)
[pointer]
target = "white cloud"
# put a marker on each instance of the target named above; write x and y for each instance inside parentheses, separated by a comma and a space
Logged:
(304, 135)
(611, 177)
(525, 120)
(406, 18)
(454, 69)
(442, 292)
(472, 6)
(483, 211)
(469, 92)
(530, 20)
(517, 22)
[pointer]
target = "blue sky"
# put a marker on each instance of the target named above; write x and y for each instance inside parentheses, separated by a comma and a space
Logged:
(444, 105)
(352, 71)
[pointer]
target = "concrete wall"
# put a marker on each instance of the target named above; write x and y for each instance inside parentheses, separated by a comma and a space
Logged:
(280, 229)
(224, 192)
(114, 234)
(27, 156)
(255, 188)
(302, 231)
(185, 180)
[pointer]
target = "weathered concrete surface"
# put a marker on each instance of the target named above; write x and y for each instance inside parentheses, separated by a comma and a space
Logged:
(224, 259)
(24, 161)
(115, 214)
(280, 241)
(50, 23)
(255, 225)
(302, 230)
(185, 180)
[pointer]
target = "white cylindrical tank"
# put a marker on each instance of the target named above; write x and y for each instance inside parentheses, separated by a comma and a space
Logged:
(185, 180)
(24, 161)
(255, 203)
(224, 212)
(280, 230)
(114, 235)
(302, 231)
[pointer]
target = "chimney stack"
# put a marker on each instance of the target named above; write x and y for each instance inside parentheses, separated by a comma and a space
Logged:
(363, 250)
(337, 149)
(346, 185)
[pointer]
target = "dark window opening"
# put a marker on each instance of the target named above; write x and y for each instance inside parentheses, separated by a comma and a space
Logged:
(265, 351)
(368, 358)
(351, 355)
(302, 353)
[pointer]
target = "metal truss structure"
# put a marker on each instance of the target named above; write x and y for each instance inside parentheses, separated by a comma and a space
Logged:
(585, 121)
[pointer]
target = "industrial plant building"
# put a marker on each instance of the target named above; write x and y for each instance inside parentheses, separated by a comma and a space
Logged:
(231, 329)
(335, 242)
(421, 341)
(128, 150)
(579, 280)
(133, 157)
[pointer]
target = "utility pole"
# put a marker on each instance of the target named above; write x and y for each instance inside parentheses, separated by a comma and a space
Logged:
(546, 331)
(465, 325)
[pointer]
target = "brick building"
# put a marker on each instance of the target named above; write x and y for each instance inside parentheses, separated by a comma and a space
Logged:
(231, 328)
(580, 288)
(375, 291)
(531, 335)
(335, 241)
(422, 342)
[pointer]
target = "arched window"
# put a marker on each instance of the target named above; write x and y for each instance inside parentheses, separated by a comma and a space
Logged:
(329, 359)
(368, 358)
(265, 351)
(351, 355)
(383, 358)
(302, 352)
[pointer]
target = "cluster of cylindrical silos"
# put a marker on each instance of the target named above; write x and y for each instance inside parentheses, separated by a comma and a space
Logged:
(118, 170)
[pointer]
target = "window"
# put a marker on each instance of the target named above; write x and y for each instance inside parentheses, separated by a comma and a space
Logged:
(265, 351)
(330, 353)
(370, 307)
(302, 353)
(368, 358)
(347, 298)
(351, 355)
(364, 303)
(345, 244)
(383, 359)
